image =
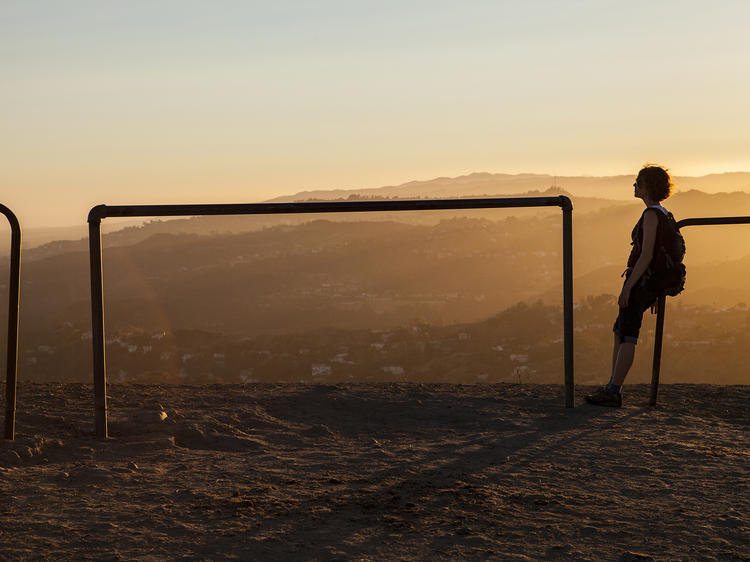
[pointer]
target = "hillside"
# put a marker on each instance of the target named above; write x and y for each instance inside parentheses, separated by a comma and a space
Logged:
(371, 274)
(347, 280)
(356, 275)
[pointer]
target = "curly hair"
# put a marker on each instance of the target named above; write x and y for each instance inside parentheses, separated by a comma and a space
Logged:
(656, 181)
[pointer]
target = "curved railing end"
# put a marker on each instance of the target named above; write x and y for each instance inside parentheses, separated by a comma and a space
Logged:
(566, 203)
(96, 214)
(12, 218)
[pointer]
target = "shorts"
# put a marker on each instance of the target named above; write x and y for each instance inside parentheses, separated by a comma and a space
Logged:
(628, 323)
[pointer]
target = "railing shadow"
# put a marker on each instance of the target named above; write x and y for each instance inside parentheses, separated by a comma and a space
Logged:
(420, 479)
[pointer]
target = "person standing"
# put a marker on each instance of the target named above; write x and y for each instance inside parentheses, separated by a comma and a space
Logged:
(646, 277)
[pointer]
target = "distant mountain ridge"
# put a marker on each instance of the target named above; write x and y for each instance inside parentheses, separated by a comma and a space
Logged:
(213, 225)
(589, 193)
(684, 204)
(484, 183)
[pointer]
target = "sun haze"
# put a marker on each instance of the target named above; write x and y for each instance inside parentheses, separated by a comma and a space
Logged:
(176, 101)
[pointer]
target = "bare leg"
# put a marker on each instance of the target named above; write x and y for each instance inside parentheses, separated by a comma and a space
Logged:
(615, 349)
(624, 361)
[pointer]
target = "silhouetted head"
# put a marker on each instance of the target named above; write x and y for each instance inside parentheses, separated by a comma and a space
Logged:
(654, 182)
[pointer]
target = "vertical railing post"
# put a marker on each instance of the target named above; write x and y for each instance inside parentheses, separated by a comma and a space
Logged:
(567, 210)
(97, 325)
(14, 299)
(661, 304)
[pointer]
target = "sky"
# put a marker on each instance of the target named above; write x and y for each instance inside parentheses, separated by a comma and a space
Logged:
(182, 101)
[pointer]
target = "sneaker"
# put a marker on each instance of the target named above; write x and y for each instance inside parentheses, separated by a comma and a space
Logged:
(604, 397)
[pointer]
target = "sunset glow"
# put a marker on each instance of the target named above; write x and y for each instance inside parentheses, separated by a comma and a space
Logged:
(240, 101)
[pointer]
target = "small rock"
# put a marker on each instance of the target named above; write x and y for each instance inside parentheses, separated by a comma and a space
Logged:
(148, 417)
(132, 466)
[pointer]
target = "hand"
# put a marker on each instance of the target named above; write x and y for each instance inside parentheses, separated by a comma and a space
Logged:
(622, 300)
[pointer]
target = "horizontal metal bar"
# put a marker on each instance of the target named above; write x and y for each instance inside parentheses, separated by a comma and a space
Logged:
(713, 220)
(104, 211)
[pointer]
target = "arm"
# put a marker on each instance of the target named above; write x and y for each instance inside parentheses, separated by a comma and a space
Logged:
(650, 223)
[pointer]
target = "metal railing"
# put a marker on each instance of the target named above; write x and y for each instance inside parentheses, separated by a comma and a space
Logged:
(103, 211)
(14, 295)
(662, 301)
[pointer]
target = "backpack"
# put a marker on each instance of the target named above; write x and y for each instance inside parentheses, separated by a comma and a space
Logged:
(666, 272)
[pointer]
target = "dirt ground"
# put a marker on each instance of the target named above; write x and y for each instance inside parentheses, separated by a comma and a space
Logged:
(376, 472)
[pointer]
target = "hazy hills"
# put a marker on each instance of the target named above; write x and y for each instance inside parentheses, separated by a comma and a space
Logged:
(482, 183)
(282, 278)
(370, 274)
(116, 235)
(589, 193)
(338, 284)
(716, 243)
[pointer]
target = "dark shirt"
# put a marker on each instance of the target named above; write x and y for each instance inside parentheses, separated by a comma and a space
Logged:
(637, 238)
